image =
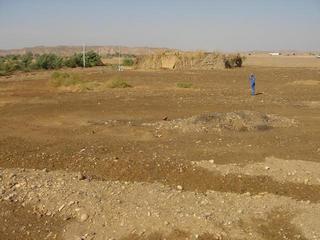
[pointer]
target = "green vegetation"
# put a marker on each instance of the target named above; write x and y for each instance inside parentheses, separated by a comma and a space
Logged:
(118, 82)
(92, 59)
(71, 81)
(49, 61)
(12, 63)
(184, 85)
(75, 82)
(128, 62)
(63, 79)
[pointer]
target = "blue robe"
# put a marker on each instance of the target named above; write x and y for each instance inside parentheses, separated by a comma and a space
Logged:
(252, 84)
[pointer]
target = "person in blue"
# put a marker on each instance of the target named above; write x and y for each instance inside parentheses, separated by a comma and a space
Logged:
(252, 80)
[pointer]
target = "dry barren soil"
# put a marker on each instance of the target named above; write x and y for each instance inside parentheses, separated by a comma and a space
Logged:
(156, 161)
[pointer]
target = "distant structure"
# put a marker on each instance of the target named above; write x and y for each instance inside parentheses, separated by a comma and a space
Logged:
(275, 54)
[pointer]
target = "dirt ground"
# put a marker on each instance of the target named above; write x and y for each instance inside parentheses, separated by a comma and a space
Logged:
(160, 162)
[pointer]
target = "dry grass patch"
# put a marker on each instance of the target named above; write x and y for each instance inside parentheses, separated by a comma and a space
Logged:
(184, 85)
(117, 82)
(71, 81)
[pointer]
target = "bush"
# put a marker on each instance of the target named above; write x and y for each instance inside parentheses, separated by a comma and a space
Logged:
(26, 60)
(72, 62)
(49, 61)
(184, 85)
(9, 67)
(233, 61)
(128, 62)
(3, 73)
(119, 83)
(92, 59)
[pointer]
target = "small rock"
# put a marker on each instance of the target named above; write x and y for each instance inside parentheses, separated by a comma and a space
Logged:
(211, 161)
(12, 175)
(83, 217)
(240, 211)
(80, 176)
(60, 208)
(165, 118)
(266, 168)
(179, 187)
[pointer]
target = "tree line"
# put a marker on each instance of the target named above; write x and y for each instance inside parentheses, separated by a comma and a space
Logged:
(29, 61)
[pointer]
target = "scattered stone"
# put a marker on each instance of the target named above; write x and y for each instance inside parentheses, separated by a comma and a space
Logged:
(62, 207)
(80, 176)
(165, 118)
(12, 175)
(83, 217)
(179, 187)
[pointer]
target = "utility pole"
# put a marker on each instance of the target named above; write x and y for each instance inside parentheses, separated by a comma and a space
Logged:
(84, 55)
(119, 63)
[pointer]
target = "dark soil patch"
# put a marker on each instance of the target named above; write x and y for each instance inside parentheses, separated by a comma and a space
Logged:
(18, 222)
(277, 226)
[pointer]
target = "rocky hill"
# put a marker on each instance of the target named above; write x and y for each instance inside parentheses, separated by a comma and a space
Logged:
(69, 50)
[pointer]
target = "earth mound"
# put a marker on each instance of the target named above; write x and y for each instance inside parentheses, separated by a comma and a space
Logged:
(189, 60)
(236, 121)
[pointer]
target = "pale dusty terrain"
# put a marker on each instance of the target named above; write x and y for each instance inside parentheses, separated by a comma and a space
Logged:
(160, 162)
(264, 60)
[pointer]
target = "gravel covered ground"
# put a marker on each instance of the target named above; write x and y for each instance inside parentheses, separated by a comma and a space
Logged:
(160, 162)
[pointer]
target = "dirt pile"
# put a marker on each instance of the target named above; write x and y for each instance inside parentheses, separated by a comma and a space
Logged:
(236, 121)
(188, 60)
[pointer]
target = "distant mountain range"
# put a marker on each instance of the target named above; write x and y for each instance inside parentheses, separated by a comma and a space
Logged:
(70, 50)
(103, 50)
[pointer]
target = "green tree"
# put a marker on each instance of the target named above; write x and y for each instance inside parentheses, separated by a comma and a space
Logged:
(93, 59)
(49, 61)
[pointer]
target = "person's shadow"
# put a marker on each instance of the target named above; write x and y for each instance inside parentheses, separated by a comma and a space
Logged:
(259, 93)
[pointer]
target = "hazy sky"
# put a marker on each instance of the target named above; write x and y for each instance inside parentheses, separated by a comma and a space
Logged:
(185, 24)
